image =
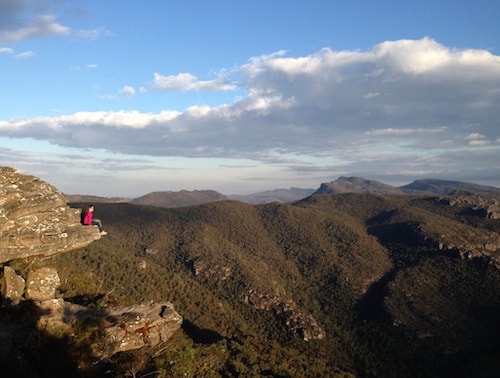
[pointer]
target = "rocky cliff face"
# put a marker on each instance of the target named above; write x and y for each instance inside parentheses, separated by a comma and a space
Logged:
(35, 219)
(486, 204)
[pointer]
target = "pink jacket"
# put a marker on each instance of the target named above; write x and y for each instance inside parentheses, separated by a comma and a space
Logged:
(87, 220)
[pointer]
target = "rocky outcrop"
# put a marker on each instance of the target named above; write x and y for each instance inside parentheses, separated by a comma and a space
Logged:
(35, 219)
(305, 325)
(137, 326)
(484, 204)
(41, 284)
(114, 330)
(286, 310)
(12, 285)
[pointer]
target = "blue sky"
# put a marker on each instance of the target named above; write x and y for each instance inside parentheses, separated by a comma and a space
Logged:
(119, 98)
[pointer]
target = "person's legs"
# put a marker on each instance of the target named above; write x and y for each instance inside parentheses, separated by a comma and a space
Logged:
(97, 222)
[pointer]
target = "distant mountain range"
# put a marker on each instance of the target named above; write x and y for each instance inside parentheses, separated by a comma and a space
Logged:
(179, 199)
(171, 199)
(277, 195)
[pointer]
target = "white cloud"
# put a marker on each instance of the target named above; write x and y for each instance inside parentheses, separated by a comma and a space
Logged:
(86, 67)
(24, 54)
(127, 91)
(473, 136)
(478, 140)
(6, 50)
(479, 143)
(22, 20)
(372, 94)
(403, 131)
(11, 52)
(39, 26)
(402, 106)
(189, 82)
(92, 34)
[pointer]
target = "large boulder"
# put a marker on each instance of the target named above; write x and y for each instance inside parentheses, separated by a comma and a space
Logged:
(111, 330)
(12, 285)
(41, 284)
(35, 219)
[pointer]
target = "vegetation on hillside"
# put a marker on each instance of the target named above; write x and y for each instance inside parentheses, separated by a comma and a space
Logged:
(252, 282)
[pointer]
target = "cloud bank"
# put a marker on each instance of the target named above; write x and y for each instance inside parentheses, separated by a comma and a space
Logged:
(406, 107)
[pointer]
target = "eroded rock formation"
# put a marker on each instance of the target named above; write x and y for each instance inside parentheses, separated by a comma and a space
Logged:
(303, 324)
(35, 219)
(113, 330)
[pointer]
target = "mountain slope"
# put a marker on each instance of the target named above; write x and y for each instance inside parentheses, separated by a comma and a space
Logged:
(356, 185)
(437, 186)
(379, 285)
(276, 195)
(179, 199)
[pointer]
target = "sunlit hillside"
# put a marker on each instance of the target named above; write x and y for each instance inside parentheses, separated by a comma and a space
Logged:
(361, 284)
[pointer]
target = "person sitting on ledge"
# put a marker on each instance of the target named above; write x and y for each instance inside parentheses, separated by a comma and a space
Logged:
(89, 220)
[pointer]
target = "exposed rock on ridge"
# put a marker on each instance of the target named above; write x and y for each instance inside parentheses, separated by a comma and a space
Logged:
(297, 321)
(35, 219)
(487, 204)
(118, 329)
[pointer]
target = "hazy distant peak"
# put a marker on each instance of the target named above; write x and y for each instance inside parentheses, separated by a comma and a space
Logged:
(437, 186)
(179, 199)
(356, 185)
(276, 195)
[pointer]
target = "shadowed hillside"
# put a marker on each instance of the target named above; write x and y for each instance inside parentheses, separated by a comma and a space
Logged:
(372, 285)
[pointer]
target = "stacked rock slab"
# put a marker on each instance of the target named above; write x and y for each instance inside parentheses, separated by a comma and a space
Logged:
(35, 219)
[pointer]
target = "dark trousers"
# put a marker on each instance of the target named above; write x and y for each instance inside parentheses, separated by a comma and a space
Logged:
(97, 222)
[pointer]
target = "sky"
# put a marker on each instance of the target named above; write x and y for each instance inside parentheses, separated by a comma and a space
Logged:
(123, 98)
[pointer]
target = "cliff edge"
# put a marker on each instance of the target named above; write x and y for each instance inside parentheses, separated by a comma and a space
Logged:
(35, 219)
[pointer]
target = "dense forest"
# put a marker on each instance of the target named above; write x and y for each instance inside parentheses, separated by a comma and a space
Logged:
(343, 285)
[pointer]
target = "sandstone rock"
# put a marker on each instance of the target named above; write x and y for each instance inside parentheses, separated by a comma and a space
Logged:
(305, 325)
(116, 329)
(487, 204)
(35, 219)
(12, 285)
(137, 326)
(41, 284)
